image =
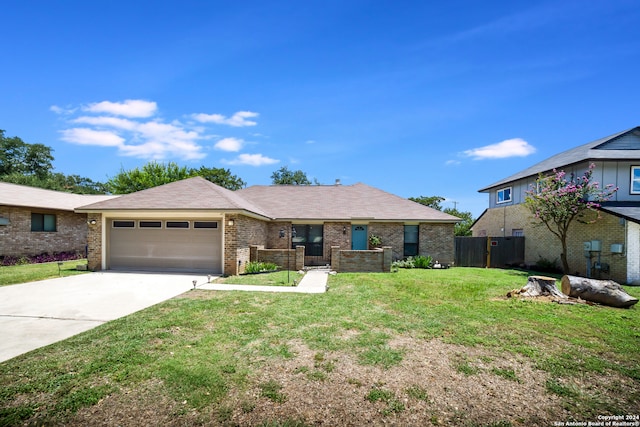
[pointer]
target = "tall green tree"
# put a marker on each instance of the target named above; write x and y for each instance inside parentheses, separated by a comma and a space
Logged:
(462, 228)
(284, 176)
(557, 201)
(154, 174)
(431, 201)
(19, 157)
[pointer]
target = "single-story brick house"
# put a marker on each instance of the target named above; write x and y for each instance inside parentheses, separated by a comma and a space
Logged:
(195, 225)
(608, 248)
(35, 221)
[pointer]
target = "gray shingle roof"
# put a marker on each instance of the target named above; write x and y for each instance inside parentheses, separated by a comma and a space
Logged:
(189, 194)
(305, 202)
(25, 196)
(339, 202)
(589, 151)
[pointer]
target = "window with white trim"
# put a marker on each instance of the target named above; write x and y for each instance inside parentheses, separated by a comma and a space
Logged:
(503, 195)
(634, 188)
(177, 224)
(123, 224)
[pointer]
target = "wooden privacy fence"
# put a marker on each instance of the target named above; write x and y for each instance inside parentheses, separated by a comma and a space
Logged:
(493, 252)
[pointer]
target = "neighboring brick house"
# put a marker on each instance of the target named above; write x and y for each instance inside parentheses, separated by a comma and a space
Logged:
(34, 221)
(195, 225)
(617, 160)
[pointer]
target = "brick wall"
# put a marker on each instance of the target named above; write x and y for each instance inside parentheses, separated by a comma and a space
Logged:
(391, 234)
(373, 261)
(437, 241)
(94, 242)
(288, 259)
(541, 243)
(238, 238)
(17, 239)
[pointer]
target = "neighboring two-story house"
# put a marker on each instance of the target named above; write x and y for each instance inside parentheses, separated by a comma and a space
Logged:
(608, 248)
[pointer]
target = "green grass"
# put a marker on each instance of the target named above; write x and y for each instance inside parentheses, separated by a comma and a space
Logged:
(276, 278)
(201, 348)
(10, 275)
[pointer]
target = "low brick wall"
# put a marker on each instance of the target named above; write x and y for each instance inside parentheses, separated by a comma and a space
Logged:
(375, 261)
(288, 259)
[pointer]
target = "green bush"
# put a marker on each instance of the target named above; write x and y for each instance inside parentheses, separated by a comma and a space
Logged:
(254, 267)
(418, 261)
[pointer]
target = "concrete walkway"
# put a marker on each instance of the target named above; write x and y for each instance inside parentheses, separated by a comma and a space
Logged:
(313, 282)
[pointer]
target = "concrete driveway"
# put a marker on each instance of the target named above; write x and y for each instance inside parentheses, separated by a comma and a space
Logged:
(36, 314)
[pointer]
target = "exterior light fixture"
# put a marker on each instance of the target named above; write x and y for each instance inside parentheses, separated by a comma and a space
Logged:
(344, 230)
(92, 222)
(230, 223)
(195, 282)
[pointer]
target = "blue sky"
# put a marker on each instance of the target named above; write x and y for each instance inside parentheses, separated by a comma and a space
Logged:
(413, 97)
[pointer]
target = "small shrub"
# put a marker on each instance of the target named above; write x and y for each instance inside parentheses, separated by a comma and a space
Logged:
(254, 267)
(39, 259)
(418, 261)
(422, 261)
(375, 241)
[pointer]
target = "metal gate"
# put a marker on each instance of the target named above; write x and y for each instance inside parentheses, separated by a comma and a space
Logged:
(494, 252)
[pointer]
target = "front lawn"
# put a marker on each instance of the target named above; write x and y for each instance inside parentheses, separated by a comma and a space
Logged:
(13, 274)
(273, 278)
(417, 347)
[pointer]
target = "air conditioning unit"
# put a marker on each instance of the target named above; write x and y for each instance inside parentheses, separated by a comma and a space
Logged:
(617, 248)
(4, 221)
(596, 246)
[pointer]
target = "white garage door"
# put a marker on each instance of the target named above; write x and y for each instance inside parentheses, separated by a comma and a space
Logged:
(165, 245)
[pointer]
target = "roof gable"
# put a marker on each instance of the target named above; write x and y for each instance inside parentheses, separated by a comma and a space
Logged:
(188, 194)
(623, 145)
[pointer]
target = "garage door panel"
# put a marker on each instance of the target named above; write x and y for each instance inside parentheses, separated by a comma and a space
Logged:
(166, 249)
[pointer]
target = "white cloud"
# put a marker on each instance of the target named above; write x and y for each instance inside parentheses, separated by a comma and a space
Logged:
(229, 144)
(130, 127)
(115, 122)
(61, 110)
(129, 108)
(252, 160)
(239, 119)
(515, 147)
(84, 136)
(452, 162)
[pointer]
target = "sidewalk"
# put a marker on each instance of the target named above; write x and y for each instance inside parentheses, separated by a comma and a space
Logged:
(313, 282)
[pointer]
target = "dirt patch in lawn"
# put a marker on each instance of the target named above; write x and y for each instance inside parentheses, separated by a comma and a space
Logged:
(433, 384)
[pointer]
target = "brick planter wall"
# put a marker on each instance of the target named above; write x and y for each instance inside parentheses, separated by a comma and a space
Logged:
(374, 261)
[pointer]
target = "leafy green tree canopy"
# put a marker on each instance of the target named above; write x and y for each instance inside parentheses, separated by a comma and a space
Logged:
(557, 201)
(284, 176)
(19, 157)
(154, 174)
(462, 228)
(431, 201)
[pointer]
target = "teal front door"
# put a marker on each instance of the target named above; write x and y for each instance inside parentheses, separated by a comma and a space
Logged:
(359, 238)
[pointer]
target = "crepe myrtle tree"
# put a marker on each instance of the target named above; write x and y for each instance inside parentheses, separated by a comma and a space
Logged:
(557, 201)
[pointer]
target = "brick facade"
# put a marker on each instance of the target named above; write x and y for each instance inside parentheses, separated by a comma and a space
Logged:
(17, 239)
(540, 243)
(241, 233)
(94, 242)
(372, 261)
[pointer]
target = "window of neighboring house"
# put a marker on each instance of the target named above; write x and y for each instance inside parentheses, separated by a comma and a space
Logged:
(309, 236)
(43, 222)
(410, 240)
(635, 180)
(517, 232)
(504, 195)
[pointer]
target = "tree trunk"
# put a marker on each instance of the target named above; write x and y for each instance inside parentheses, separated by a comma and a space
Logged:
(540, 285)
(605, 292)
